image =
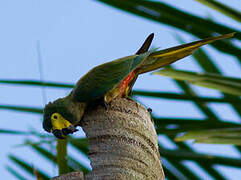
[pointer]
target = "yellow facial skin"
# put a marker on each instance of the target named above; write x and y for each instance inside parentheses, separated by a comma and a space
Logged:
(59, 122)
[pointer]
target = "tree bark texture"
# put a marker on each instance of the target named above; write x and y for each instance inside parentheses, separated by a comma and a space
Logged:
(70, 176)
(122, 142)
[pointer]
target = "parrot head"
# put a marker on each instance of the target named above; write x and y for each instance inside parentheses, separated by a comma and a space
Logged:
(61, 118)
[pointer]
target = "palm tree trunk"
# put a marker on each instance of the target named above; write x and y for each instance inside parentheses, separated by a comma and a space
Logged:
(122, 142)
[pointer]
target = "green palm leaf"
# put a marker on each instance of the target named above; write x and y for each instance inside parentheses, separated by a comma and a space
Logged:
(27, 167)
(224, 84)
(15, 173)
(226, 10)
(214, 136)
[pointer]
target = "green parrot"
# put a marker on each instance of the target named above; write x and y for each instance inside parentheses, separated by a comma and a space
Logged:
(111, 80)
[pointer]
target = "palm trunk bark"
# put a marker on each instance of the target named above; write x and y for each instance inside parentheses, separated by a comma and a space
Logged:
(122, 142)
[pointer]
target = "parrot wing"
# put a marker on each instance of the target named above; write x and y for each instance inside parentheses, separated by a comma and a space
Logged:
(101, 79)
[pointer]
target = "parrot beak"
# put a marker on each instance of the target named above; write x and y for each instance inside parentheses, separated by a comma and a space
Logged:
(61, 134)
(61, 127)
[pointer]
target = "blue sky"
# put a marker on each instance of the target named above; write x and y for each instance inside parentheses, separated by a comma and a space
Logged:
(75, 36)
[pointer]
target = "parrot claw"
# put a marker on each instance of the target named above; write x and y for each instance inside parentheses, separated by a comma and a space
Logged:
(69, 130)
(61, 134)
(149, 110)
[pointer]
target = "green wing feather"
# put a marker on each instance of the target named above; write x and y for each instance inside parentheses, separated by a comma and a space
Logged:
(101, 79)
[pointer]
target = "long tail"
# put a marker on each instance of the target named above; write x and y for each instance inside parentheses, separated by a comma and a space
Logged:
(168, 56)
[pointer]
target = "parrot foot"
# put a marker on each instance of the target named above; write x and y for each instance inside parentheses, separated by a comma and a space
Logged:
(149, 110)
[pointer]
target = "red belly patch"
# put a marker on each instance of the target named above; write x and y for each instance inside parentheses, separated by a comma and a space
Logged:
(125, 82)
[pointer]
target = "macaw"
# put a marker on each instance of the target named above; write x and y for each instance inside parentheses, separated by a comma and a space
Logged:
(112, 80)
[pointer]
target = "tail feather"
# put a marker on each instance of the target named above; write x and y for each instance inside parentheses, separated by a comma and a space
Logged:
(168, 56)
(162, 58)
(145, 46)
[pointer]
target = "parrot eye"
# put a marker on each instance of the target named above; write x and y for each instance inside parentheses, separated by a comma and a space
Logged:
(55, 116)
